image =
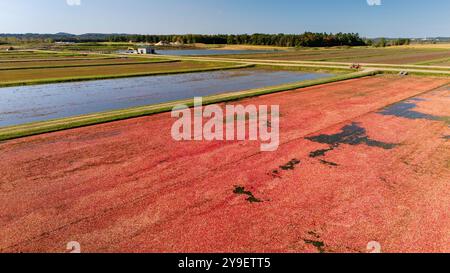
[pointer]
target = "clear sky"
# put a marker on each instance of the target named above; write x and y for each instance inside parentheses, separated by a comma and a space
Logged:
(393, 18)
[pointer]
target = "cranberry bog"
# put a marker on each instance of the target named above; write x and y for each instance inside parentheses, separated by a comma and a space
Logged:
(360, 160)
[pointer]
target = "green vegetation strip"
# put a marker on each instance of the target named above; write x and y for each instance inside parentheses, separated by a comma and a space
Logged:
(117, 76)
(315, 69)
(432, 73)
(87, 65)
(13, 132)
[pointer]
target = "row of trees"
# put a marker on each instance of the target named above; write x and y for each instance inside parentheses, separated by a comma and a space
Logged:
(399, 42)
(307, 39)
(383, 42)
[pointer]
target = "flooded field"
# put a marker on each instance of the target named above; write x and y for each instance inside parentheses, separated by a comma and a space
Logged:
(24, 104)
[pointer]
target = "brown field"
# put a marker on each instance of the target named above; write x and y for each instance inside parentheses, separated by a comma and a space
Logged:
(54, 59)
(440, 62)
(72, 62)
(25, 54)
(19, 56)
(252, 47)
(19, 52)
(439, 45)
(363, 55)
(399, 58)
(50, 73)
(443, 63)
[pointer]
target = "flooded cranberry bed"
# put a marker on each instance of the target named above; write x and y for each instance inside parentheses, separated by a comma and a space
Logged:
(25, 104)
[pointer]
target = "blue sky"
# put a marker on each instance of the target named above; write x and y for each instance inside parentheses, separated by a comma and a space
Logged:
(393, 18)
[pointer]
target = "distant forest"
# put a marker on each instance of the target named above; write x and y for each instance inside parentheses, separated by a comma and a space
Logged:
(307, 39)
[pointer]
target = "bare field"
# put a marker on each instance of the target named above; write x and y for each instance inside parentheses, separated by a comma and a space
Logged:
(51, 73)
(50, 58)
(30, 55)
(55, 59)
(71, 62)
(433, 46)
(252, 47)
(395, 55)
(440, 62)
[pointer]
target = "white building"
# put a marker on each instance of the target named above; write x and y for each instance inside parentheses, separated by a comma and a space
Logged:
(140, 50)
(146, 50)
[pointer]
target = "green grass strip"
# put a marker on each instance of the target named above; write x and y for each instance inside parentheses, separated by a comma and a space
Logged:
(444, 74)
(117, 76)
(36, 128)
(86, 65)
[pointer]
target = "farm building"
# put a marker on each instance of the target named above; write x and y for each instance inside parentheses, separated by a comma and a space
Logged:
(141, 50)
(145, 50)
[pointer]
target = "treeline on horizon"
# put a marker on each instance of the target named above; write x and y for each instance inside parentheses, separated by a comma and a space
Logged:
(307, 39)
